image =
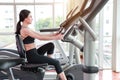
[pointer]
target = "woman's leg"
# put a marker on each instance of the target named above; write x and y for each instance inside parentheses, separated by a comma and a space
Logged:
(62, 76)
(34, 57)
(47, 48)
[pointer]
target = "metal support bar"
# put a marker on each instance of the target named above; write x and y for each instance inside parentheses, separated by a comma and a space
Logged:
(71, 53)
(89, 54)
(75, 42)
(88, 28)
(10, 74)
(62, 51)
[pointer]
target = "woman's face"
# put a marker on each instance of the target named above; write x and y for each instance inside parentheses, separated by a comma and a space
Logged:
(29, 19)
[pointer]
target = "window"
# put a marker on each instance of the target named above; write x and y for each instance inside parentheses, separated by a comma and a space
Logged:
(107, 34)
(43, 1)
(44, 16)
(6, 19)
(43, 12)
(6, 1)
(24, 1)
(6, 41)
(104, 30)
(58, 13)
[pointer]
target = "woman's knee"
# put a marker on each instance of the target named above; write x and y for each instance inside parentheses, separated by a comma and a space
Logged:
(51, 45)
(51, 48)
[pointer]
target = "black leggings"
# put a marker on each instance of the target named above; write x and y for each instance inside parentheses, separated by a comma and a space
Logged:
(47, 48)
(37, 56)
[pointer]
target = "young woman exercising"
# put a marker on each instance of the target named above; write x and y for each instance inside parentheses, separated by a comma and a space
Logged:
(35, 55)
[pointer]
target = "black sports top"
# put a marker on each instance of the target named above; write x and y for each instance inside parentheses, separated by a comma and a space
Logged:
(28, 40)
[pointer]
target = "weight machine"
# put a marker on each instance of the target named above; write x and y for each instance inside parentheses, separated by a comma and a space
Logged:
(81, 22)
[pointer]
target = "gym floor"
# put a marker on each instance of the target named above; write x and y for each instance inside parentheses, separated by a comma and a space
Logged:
(108, 75)
(102, 75)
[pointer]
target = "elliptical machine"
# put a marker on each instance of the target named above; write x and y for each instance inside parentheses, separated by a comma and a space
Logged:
(81, 22)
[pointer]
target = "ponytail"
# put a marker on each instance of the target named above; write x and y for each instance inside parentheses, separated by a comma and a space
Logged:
(18, 27)
(23, 14)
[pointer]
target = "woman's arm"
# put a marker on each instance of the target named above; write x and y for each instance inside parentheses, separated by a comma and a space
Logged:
(53, 36)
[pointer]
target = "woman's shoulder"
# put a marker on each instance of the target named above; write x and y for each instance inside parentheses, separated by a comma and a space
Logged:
(28, 31)
(25, 30)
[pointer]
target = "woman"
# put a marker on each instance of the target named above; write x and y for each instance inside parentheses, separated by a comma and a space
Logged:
(37, 55)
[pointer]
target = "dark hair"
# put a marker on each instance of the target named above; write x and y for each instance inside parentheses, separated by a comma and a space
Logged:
(22, 15)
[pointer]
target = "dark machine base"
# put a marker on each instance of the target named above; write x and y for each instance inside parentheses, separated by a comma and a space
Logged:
(24, 75)
(74, 72)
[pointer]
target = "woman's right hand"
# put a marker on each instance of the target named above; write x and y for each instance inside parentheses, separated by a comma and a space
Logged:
(59, 36)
